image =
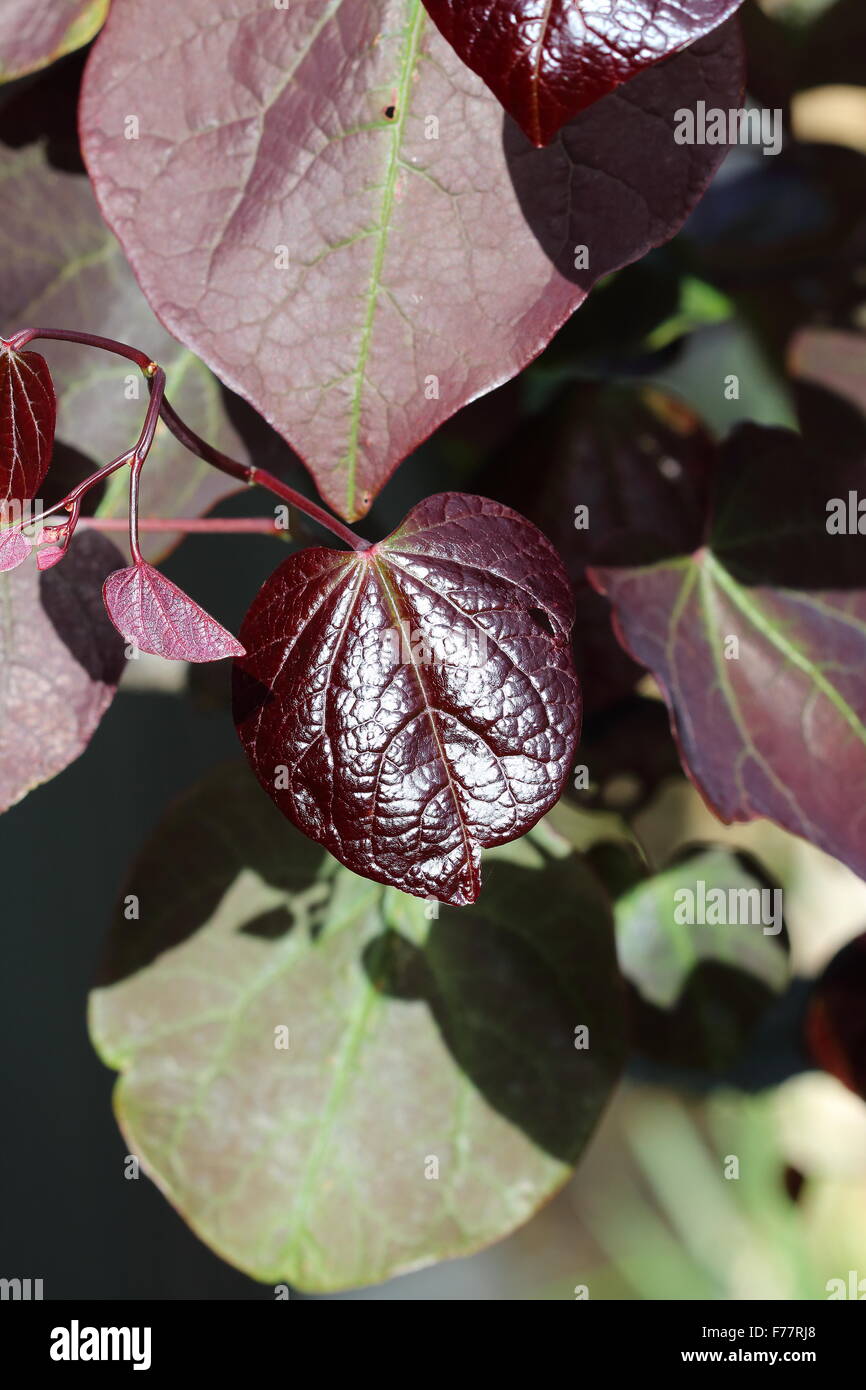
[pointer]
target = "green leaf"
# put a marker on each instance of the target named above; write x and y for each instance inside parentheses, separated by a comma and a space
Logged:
(418, 1044)
(704, 945)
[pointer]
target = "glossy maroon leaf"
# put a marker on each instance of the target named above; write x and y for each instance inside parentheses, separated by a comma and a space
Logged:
(548, 59)
(410, 704)
(28, 414)
(757, 637)
(151, 611)
(14, 549)
(60, 660)
(360, 276)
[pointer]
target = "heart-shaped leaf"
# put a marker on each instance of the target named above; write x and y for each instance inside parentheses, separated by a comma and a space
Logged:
(61, 265)
(548, 59)
(28, 414)
(158, 617)
(756, 633)
(34, 33)
(410, 704)
(14, 549)
(330, 1087)
(60, 661)
(49, 556)
(344, 229)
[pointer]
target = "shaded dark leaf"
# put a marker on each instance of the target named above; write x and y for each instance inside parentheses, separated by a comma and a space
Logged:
(28, 415)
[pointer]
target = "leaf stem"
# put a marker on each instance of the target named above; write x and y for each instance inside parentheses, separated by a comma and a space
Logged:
(248, 473)
(70, 335)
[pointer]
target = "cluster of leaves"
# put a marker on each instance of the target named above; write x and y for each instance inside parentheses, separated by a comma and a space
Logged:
(349, 231)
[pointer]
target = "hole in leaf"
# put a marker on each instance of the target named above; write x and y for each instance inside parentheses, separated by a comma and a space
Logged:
(540, 618)
(390, 112)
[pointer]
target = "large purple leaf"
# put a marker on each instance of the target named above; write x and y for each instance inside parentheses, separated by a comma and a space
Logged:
(324, 204)
(757, 637)
(34, 33)
(62, 267)
(410, 704)
(60, 661)
(28, 413)
(548, 59)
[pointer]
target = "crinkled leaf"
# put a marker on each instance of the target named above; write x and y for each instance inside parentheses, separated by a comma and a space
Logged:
(342, 227)
(14, 549)
(151, 611)
(28, 414)
(431, 1094)
(34, 33)
(61, 266)
(60, 661)
(701, 986)
(756, 633)
(410, 704)
(548, 59)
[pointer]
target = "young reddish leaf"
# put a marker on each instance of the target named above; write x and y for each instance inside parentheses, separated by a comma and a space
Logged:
(147, 609)
(34, 33)
(28, 414)
(49, 556)
(61, 660)
(410, 704)
(757, 637)
(14, 549)
(360, 276)
(548, 59)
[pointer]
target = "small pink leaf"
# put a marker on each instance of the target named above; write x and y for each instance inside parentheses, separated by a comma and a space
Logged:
(50, 556)
(146, 608)
(14, 549)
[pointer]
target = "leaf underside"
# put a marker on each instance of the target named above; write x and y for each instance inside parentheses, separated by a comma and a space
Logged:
(151, 611)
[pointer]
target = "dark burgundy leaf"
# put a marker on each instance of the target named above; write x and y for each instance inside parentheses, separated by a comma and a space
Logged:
(359, 278)
(28, 414)
(14, 549)
(60, 660)
(548, 59)
(410, 704)
(757, 637)
(836, 1020)
(147, 609)
(638, 461)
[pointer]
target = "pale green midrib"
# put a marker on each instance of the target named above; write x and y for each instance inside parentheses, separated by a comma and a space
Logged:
(750, 610)
(414, 30)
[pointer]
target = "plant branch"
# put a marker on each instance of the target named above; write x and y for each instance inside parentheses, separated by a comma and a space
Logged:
(247, 473)
(207, 526)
